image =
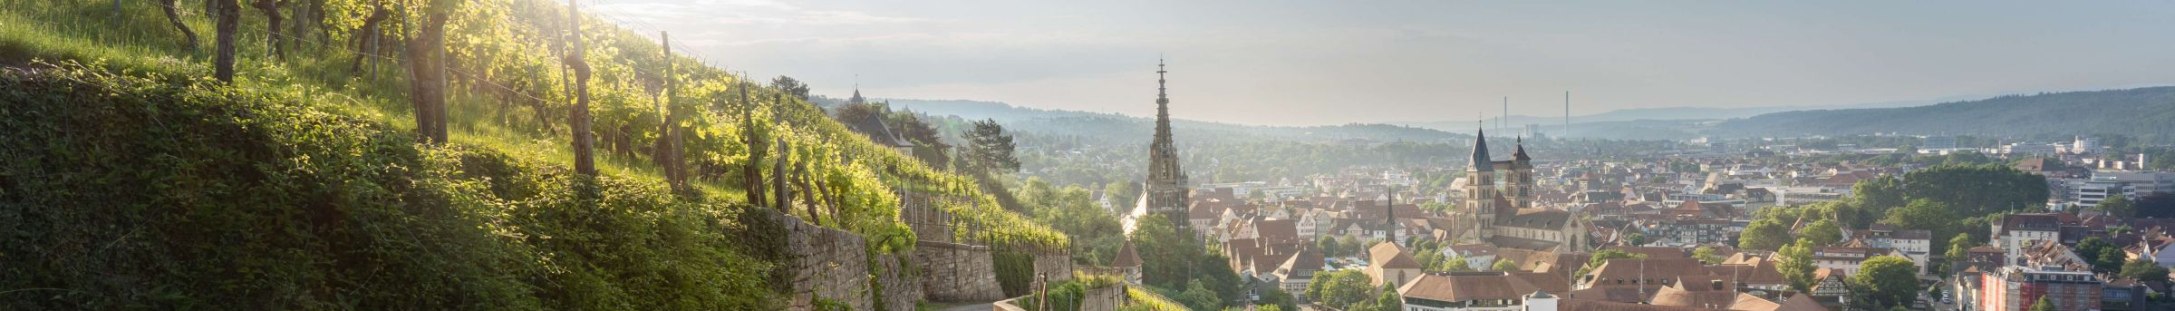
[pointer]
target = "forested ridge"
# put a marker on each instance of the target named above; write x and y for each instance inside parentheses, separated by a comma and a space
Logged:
(318, 172)
(2142, 112)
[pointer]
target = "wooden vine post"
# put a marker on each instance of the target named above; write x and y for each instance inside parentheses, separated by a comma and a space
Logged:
(585, 162)
(669, 149)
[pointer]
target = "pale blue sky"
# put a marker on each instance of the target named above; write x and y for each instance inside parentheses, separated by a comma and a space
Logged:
(1329, 62)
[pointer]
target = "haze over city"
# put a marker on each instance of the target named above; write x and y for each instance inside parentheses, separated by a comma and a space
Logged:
(1312, 62)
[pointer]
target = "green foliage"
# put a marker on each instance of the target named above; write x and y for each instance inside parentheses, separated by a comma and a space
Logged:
(1821, 232)
(1340, 289)
(990, 149)
(181, 194)
(1878, 195)
(1976, 189)
(1959, 247)
(510, 93)
(1602, 257)
(2145, 271)
(1764, 234)
(1885, 281)
(1062, 296)
(2043, 305)
(1096, 232)
(2117, 205)
(1506, 265)
(1796, 264)
(2104, 257)
(1276, 299)
(1706, 255)
(1138, 299)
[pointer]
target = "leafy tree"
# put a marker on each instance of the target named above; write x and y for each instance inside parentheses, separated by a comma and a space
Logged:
(2043, 304)
(2104, 257)
(2109, 260)
(2144, 270)
(1885, 281)
(990, 149)
(1878, 195)
(1976, 189)
(790, 86)
(1959, 247)
(1822, 232)
(1796, 265)
(1764, 234)
(1506, 265)
(1340, 289)
(1276, 299)
(1388, 300)
(1198, 297)
(1929, 215)
(1706, 255)
(1602, 257)
(2117, 205)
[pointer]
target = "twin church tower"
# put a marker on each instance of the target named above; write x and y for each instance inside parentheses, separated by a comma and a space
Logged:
(1498, 194)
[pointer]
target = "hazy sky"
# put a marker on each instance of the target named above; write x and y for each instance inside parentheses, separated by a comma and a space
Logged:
(1330, 62)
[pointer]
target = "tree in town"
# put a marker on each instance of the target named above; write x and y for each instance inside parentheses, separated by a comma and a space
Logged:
(2144, 270)
(2117, 205)
(2104, 256)
(1706, 255)
(1388, 300)
(1885, 281)
(1878, 195)
(1796, 265)
(1506, 265)
(1976, 189)
(1822, 232)
(1764, 234)
(2043, 304)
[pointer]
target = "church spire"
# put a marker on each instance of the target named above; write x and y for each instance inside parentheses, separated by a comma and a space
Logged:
(1520, 153)
(1162, 106)
(1481, 163)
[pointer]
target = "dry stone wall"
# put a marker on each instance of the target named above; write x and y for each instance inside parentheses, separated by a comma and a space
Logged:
(826, 264)
(1058, 266)
(957, 272)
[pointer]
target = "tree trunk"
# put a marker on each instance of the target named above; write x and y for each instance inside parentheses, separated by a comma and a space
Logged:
(173, 15)
(273, 18)
(230, 21)
(584, 143)
(427, 83)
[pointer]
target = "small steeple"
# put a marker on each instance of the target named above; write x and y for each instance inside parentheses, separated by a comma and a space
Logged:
(1520, 153)
(1481, 163)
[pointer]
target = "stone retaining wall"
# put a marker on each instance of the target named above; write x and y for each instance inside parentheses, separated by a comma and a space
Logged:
(826, 263)
(1057, 266)
(957, 272)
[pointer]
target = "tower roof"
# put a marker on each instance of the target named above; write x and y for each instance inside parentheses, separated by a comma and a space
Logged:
(1481, 162)
(1520, 154)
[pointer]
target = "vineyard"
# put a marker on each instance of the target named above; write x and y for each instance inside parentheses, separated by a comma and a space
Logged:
(324, 90)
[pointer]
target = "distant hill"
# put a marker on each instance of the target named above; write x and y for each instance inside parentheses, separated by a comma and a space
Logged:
(1092, 124)
(2145, 112)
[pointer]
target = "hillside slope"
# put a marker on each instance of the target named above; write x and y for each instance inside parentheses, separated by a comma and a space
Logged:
(2145, 112)
(134, 180)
